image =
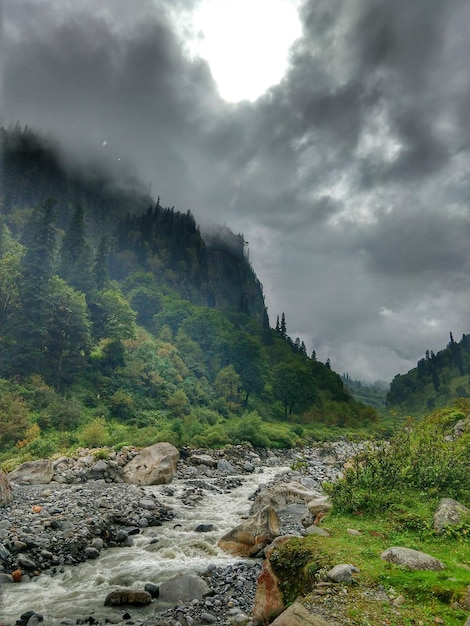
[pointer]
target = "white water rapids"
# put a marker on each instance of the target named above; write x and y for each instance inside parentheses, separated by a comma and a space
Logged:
(79, 591)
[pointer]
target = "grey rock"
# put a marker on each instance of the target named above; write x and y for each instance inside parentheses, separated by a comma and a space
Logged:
(26, 561)
(342, 573)
(153, 590)
(155, 465)
(99, 468)
(297, 615)
(5, 578)
(282, 494)
(225, 466)
(122, 597)
(183, 587)
(4, 552)
(412, 559)
(316, 530)
(319, 504)
(33, 472)
(91, 553)
(97, 543)
(204, 528)
(203, 459)
(449, 513)
(147, 504)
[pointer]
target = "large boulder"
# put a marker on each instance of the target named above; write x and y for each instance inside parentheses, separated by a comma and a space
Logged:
(33, 472)
(412, 559)
(183, 588)
(283, 494)
(155, 465)
(297, 615)
(269, 599)
(253, 534)
(449, 513)
(6, 493)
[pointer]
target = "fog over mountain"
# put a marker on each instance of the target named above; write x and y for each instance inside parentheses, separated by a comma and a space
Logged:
(350, 179)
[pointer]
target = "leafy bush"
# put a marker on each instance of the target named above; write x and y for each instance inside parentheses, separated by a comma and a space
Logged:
(249, 428)
(14, 415)
(49, 444)
(95, 433)
(422, 459)
(121, 404)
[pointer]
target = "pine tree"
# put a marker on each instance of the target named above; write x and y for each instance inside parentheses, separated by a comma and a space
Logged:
(34, 291)
(100, 268)
(283, 327)
(75, 265)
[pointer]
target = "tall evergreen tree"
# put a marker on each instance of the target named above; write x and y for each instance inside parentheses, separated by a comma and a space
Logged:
(68, 340)
(34, 290)
(100, 268)
(283, 327)
(11, 253)
(75, 265)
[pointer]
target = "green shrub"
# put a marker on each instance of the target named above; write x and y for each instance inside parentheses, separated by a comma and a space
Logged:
(14, 415)
(249, 429)
(421, 459)
(94, 434)
(121, 404)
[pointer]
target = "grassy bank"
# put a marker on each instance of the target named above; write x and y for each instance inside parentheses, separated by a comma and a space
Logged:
(387, 498)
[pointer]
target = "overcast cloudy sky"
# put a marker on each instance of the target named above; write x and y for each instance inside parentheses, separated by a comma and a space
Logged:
(349, 175)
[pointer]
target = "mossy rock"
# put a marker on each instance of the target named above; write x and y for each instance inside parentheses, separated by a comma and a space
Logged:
(298, 563)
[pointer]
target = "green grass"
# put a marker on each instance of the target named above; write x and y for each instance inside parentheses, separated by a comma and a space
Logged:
(426, 594)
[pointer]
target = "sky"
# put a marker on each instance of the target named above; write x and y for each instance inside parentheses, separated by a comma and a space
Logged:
(334, 134)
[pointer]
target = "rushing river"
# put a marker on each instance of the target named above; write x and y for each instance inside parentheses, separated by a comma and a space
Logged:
(158, 553)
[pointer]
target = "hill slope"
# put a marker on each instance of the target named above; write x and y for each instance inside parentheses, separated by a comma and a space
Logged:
(437, 380)
(120, 322)
(373, 395)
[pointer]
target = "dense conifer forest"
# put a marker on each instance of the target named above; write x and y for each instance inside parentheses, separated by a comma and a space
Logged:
(121, 323)
(437, 380)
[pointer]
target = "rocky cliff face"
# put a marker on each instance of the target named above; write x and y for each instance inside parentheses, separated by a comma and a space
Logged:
(232, 279)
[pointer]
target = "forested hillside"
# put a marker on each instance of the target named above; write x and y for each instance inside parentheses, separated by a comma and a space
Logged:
(120, 322)
(437, 380)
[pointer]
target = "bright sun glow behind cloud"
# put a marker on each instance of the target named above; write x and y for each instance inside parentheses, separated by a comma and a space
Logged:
(246, 43)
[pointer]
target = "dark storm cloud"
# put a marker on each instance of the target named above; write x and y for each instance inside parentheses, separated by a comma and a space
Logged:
(350, 179)
(419, 242)
(128, 84)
